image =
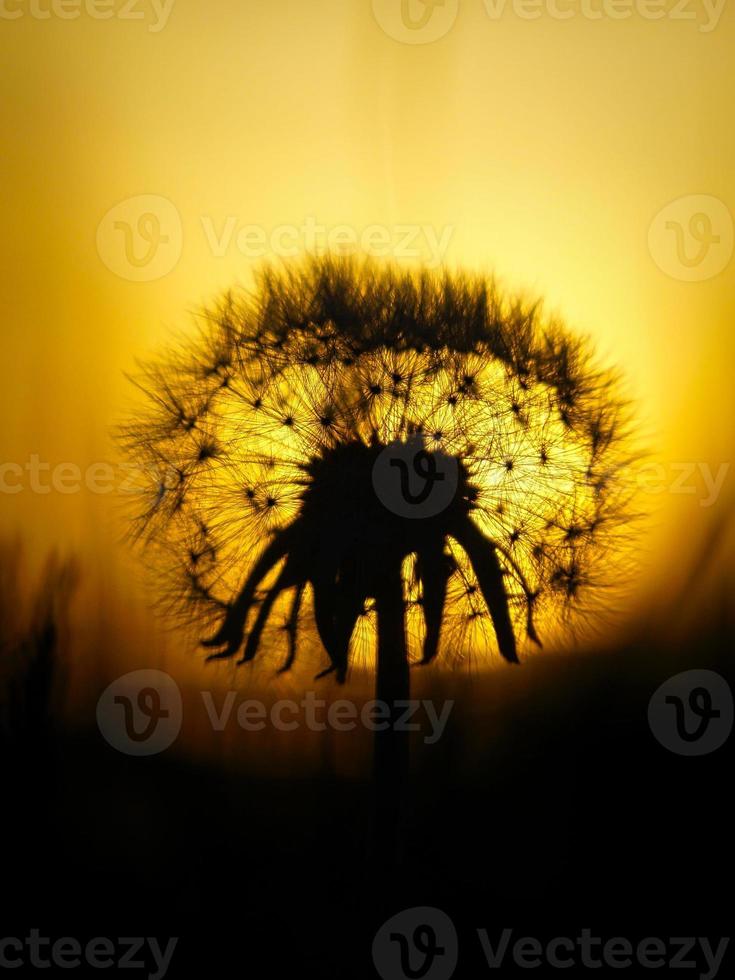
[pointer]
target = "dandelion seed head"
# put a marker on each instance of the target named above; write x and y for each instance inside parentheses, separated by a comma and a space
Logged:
(240, 423)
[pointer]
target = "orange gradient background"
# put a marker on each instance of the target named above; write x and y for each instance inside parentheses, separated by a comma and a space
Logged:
(546, 146)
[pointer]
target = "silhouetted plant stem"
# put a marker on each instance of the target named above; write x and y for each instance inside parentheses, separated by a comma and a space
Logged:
(391, 754)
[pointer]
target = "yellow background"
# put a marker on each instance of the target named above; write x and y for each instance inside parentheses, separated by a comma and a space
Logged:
(548, 146)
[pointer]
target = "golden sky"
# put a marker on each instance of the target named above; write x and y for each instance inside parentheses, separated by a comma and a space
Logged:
(539, 147)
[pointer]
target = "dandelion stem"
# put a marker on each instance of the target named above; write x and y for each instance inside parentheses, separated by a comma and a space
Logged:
(391, 745)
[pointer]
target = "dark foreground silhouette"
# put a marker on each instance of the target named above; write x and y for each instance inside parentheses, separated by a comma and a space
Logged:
(547, 806)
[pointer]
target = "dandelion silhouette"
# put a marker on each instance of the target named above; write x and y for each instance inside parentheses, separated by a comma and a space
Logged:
(435, 466)
(263, 446)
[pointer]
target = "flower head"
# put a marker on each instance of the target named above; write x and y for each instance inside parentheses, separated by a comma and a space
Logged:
(288, 442)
